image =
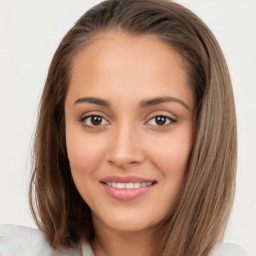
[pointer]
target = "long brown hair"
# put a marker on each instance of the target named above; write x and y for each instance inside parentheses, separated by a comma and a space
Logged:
(198, 220)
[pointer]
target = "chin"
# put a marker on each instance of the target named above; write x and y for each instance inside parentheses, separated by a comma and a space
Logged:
(129, 221)
(129, 226)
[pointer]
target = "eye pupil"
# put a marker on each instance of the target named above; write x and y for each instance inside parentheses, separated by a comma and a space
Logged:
(160, 120)
(96, 120)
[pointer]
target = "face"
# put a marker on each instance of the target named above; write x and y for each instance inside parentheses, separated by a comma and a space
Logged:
(129, 124)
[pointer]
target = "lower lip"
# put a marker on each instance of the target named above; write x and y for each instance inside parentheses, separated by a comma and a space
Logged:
(126, 194)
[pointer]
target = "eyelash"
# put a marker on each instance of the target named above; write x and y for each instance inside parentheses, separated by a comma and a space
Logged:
(90, 116)
(83, 120)
(165, 117)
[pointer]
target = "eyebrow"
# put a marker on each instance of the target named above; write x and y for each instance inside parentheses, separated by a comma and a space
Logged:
(159, 100)
(143, 104)
(93, 100)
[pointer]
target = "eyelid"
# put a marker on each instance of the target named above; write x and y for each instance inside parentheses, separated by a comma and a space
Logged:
(163, 114)
(90, 114)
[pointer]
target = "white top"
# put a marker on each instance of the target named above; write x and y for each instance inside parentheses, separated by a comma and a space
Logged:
(25, 241)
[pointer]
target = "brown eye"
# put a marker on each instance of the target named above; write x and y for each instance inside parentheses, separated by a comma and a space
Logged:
(160, 120)
(94, 120)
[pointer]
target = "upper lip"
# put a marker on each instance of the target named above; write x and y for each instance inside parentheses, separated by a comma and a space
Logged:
(126, 179)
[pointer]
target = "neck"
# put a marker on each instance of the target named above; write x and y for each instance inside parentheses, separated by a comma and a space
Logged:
(109, 242)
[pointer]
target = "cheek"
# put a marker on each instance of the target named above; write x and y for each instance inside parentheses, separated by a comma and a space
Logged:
(171, 158)
(84, 154)
(173, 153)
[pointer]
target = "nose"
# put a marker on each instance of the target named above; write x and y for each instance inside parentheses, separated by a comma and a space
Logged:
(125, 147)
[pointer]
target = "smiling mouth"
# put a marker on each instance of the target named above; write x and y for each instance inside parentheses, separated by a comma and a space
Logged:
(127, 188)
(130, 185)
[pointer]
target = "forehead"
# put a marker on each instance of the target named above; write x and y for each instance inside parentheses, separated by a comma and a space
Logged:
(120, 62)
(112, 49)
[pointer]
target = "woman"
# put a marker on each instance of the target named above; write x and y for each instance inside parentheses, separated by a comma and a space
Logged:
(135, 149)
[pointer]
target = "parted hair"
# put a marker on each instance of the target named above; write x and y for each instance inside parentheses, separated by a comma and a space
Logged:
(200, 214)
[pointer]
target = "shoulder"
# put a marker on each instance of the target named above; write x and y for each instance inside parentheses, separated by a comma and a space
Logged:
(24, 241)
(20, 240)
(228, 249)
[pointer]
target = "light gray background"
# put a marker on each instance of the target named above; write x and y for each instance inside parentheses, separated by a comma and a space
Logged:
(29, 34)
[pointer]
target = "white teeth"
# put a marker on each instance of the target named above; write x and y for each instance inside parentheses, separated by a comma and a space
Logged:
(136, 185)
(128, 185)
(120, 185)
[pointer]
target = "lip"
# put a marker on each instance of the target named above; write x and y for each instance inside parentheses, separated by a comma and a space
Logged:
(126, 179)
(124, 194)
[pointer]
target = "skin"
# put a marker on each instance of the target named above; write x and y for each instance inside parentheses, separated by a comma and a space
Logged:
(128, 140)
